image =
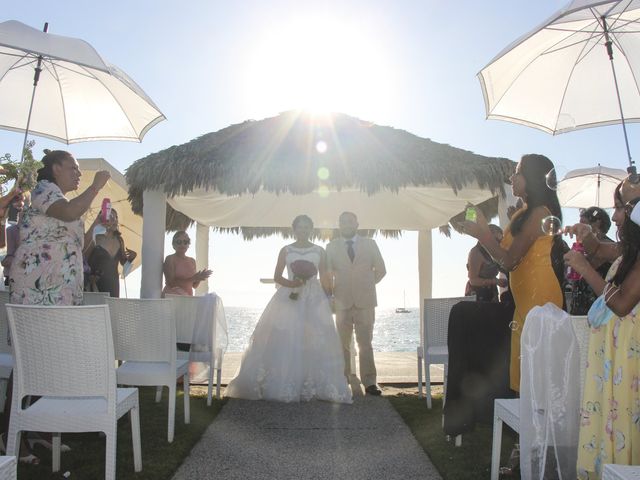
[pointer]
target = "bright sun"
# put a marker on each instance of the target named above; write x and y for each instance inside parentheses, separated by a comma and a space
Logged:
(319, 63)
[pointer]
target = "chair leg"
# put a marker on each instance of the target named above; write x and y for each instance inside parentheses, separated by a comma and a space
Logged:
(427, 382)
(158, 393)
(134, 419)
(218, 382)
(444, 383)
(496, 446)
(56, 441)
(419, 354)
(110, 456)
(187, 399)
(172, 412)
(210, 385)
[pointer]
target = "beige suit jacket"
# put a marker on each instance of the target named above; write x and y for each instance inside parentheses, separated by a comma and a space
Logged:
(354, 284)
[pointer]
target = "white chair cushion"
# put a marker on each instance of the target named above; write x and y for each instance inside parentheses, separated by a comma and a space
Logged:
(149, 373)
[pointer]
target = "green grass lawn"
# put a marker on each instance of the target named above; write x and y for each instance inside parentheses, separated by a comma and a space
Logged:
(471, 461)
(160, 459)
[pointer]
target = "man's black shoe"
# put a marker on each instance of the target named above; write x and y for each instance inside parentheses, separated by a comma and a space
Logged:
(373, 390)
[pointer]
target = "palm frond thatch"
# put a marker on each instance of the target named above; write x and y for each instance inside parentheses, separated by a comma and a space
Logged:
(297, 152)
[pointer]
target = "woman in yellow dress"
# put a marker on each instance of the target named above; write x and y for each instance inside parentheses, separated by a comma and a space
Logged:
(532, 247)
(610, 413)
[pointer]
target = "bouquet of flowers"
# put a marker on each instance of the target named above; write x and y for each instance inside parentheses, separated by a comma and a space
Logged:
(302, 270)
(25, 172)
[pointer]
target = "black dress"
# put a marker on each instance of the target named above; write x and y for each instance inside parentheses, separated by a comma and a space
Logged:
(488, 270)
(105, 268)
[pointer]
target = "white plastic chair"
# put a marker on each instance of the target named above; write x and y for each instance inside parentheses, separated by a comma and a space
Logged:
(144, 337)
(433, 347)
(507, 410)
(65, 355)
(185, 310)
(8, 468)
(612, 471)
(94, 298)
(6, 355)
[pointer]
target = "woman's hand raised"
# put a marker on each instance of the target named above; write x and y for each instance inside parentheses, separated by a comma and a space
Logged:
(579, 230)
(202, 275)
(477, 229)
(100, 179)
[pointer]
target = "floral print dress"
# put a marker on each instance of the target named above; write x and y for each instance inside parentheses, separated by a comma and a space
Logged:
(47, 268)
(610, 413)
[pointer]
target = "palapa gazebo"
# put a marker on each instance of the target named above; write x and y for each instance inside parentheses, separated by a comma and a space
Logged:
(256, 176)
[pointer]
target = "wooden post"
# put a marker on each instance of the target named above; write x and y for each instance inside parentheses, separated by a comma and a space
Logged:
(154, 212)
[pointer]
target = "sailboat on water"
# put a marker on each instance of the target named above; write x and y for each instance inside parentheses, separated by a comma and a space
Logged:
(404, 308)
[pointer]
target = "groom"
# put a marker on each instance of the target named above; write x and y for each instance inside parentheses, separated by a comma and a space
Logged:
(355, 266)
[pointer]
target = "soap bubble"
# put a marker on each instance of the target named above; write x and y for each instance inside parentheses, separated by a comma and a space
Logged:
(551, 226)
(555, 176)
(321, 146)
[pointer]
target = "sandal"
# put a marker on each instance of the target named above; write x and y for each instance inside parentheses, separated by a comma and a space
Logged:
(46, 444)
(29, 459)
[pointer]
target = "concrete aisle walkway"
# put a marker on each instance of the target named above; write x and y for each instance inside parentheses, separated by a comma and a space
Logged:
(313, 440)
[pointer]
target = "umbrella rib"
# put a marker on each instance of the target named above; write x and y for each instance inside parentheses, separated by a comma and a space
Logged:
(124, 112)
(51, 66)
(16, 65)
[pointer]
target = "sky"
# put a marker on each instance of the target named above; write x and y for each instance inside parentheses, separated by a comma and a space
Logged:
(407, 64)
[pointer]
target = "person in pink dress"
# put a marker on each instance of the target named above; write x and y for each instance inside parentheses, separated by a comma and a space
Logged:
(180, 273)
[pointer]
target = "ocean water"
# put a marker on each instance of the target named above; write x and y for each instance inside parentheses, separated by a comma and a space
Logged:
(393, 332)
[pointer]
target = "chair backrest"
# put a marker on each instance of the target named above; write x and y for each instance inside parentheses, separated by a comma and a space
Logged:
(185, 310)
(144, 330)
(62, 351)
(94, 298)
(4, 325)
(582, 330)
(436, 320)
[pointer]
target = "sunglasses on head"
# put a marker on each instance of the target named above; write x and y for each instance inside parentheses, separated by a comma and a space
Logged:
(183, 242)
(634, 177)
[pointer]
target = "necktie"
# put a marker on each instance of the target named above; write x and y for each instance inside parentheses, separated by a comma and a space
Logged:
(350, 251)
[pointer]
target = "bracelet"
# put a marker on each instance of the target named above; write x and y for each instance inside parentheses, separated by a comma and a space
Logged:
(607, 292)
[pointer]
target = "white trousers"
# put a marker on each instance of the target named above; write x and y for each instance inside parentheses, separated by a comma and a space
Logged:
(361, 320)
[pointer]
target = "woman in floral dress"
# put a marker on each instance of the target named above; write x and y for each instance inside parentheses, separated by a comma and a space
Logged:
(610, 413)
(47, 268)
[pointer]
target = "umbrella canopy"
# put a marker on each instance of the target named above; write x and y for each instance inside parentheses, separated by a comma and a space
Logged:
(559, 77)
(116, 190)
(79, 96)
(590, 187)
(259, 174)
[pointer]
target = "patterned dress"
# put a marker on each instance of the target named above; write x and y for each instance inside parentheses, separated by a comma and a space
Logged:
(47, 268)
(610, 413)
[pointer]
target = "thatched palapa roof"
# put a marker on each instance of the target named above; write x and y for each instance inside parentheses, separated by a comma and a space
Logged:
(299, 153)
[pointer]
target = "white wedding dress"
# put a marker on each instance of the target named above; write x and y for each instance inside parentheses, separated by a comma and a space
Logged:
(295, 353)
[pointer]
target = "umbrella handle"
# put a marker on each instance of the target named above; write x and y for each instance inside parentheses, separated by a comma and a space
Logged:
(609, 46)
(36, 78)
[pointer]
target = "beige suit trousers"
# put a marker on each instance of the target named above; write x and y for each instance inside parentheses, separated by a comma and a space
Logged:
(361, 320)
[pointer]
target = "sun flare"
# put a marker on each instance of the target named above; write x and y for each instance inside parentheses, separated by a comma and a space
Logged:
(318, 63)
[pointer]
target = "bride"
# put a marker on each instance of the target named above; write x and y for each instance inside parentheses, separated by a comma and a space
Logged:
(295, 353)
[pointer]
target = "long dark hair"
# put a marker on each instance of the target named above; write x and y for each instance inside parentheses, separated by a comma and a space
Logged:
(629, 236)
(534, 168)
(51, 158)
